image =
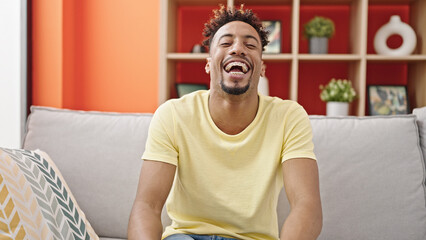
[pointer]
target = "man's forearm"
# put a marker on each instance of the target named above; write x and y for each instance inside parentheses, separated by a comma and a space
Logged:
(303, 223)
(144, 223)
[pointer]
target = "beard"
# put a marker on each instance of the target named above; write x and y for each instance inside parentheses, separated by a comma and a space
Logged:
(234, 90)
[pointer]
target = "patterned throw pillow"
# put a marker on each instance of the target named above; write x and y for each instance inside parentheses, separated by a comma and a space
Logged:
(35, 202)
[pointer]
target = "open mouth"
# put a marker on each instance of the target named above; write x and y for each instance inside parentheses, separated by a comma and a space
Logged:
(236, 67)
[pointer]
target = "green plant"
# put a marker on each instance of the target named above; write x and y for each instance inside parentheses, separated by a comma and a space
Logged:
(319, 27)
(338, 91)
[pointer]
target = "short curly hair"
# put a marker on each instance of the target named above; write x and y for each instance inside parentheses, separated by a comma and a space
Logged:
(223, 16)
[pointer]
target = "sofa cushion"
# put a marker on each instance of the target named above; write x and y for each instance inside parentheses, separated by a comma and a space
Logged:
(421, 122)
(35, 201)
(372, 177)
(99, 155)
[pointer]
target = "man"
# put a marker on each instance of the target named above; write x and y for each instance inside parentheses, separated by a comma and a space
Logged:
(224, 154)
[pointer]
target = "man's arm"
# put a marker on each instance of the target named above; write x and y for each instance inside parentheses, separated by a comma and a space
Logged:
(155, 181)
(301, 183)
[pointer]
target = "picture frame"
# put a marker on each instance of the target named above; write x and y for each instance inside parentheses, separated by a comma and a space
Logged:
(387, 100)
(274, 37)
(185, 88)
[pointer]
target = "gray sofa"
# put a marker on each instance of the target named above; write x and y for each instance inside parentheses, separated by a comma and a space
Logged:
(372, 169)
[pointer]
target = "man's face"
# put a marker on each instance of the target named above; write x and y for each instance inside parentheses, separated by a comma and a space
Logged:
(235, 62)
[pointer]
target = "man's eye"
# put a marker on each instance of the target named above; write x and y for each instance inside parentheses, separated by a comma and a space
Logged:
(251, 46)
(225, 44)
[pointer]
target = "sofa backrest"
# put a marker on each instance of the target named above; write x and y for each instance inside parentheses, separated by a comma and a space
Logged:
(372, 173)
(99, 155)
(372, 177)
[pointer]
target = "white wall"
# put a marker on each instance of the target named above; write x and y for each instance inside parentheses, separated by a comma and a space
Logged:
(12, 72)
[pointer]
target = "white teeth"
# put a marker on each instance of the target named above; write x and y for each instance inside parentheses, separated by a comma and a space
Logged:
(236, 73)
(240, 64)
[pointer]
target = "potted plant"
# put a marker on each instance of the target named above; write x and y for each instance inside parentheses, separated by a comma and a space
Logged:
(338, 94)
(318, 30)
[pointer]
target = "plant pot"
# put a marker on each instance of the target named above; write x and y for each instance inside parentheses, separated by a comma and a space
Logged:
(337, 108)
(318, 45)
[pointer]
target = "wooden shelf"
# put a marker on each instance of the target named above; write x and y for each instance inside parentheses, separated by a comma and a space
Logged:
(329, 57)
(187, 56)
(328, 2)
(277, 57)
(391, 1)
(296, 72)
(263, 2)
(382, 58)
(200, 2)
(203, 56)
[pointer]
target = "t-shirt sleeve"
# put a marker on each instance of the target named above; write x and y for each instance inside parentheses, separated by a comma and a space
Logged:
(160, 145)
(297, 135)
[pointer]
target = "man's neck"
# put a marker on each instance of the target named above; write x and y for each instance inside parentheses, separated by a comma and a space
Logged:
(233, 114)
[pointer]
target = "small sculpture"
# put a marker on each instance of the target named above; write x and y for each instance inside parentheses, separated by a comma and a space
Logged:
(395, 26)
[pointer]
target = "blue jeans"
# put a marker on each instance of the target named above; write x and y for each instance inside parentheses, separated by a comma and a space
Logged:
(196, 237)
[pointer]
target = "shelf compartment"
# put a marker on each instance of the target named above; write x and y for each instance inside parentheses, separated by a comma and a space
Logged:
(190, 25)
(339, 14)
(410, 11)
(378, 15)
(191, 19)
(278, 75)
(407, 73)
(281, 13)
(189, 72)
(311, 76)
(388, 73)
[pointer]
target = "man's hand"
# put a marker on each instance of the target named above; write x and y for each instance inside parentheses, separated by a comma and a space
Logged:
(301, 183)
(155, 181)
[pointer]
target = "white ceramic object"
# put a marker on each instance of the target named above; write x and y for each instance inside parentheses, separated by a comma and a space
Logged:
(395, 26)
(263, 86)
(337, 109)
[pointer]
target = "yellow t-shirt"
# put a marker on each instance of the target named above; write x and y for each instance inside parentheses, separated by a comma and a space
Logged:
(227, 185)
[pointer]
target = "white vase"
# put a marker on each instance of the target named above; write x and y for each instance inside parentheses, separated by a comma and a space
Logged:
(337, 109)
(263, 86)
(395, 26)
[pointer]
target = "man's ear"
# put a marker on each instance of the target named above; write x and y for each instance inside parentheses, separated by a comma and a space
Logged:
(207, 67)
(262, 69)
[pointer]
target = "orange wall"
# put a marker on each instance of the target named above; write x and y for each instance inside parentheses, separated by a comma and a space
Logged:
(96, 55)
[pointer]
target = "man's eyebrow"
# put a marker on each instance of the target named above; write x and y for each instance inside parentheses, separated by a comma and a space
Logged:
(232, 35)
(225, 35)
(253, 37)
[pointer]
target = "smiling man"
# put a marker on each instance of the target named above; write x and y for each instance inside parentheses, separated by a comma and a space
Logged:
(221, 157)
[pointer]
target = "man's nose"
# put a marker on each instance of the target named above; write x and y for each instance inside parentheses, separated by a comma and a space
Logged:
(238, 48)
